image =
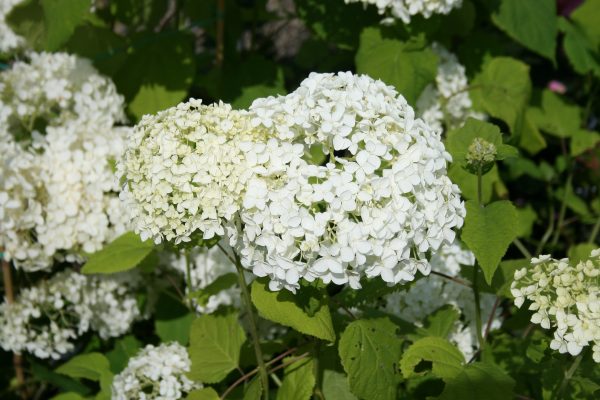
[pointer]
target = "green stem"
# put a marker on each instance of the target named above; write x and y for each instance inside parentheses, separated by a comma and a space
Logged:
(264, 377)
(568, 375)
(563, 209)
(317, 391)
(522, 248)
(595, 231)
(550, 228)
(479, 187)
(188, 280)
(478, 323)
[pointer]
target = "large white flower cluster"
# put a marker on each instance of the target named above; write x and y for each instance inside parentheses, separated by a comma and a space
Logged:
(187, 169)
(428, 295)
(206, 266)
(565, 297)
(380, 205)
(405, 9)
(156, 372)
(447, 102)
(46, 319)
(58, 193)
(9, 40)
(52, 89)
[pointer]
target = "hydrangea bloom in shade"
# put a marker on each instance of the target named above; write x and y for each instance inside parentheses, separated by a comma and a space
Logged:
(9, 40)
(447, 102)
(206, 266)
(405, 9)
(428, 295)
(53, 88)
(187, 168)
(563, 297)
(59, 194)
(46, 319)
(377, 208)
(156, 372)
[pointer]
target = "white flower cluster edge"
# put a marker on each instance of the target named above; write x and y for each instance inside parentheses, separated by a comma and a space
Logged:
(405, 9)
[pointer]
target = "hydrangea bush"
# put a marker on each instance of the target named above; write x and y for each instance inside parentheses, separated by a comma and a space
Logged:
(299, 199)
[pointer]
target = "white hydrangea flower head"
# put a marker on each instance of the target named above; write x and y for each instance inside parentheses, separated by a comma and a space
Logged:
(447, 102)
(207, 265)
(564, 297)
(187, 168)
(46, 319)
(9, 40)
(52, 88)
(428, 295)
(156, 372)
(405, 9)
(61, 195)
(377, 208)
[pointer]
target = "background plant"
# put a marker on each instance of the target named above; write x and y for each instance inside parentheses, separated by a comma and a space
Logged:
(512, 87)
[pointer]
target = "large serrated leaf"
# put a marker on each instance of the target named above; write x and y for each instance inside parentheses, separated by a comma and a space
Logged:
(408, 66)
(122, 254)
(446, 359)
(488, 232)
(479, 381)
(291, 310)
(298, 381)
(370, 350)
(215, 344)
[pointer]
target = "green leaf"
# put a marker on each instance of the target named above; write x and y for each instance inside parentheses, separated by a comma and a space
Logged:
(215, 344)
(479, 381)
(218, 285)
(409, 66)
(89, 366)
(290, 309)
(335, 386)
(206, 393)
(441, 322)
(125, 348)
(527, 217)
(157, 73)
(27, 20)
(531, 140)
(106, 49)
(44, 374)
(254, 390)
(68, 396)
(122, 254)
(370, 350)
(531, 23)
(92, 366)
(459, 140)
(488, 232)
(586, 18)
(62, 17)
(172, 320)
(446, 359)
(298, 381)
(580, 252)
(581, 52)
(502, 89)
(583, 140)
(467, 182)
(556, 116)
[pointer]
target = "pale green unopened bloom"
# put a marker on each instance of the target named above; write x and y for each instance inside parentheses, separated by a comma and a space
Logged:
(481, 155)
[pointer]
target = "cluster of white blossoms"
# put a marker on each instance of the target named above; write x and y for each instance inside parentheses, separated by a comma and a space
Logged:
(156, 372)
(46, 319)
(58, 193)
(447, 102)
(52, 89)
(379, 206)
(9, 40)
(187, 168)
(405, 9)
(207, 265)
(565, 297)
(428, 295)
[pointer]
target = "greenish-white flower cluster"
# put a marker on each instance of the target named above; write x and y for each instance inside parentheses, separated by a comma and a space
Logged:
(565, 297)
(155, 373)
(405, 9)
(47, 319)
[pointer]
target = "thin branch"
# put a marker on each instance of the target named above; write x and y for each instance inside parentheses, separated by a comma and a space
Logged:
(488, 325)
(519, 245)
(10, 298)
(451, 278)
(169, 14)
(346, 309)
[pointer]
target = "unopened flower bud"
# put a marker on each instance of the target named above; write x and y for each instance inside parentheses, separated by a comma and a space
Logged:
(481, 156)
